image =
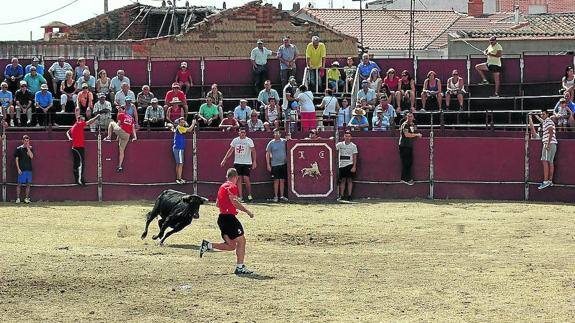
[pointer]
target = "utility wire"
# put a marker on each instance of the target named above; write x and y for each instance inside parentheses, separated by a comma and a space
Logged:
(40, 16)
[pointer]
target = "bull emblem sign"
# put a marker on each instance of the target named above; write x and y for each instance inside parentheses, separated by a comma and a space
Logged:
(312, 171)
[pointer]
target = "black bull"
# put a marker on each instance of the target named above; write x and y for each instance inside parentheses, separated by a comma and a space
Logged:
(176, 210)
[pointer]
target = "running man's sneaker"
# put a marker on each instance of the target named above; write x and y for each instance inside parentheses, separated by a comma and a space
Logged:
(250, 198)
(27, 200)
(204, 247)
(284, 199)
(17, 201)
(243, 270)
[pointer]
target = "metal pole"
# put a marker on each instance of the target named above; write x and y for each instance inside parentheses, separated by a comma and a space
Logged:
(202, 69)
(149, 71)
(361, 24)
(526, 176)
(100, 188)
(431, 168)
(411, 29)
(4, 142)
(195, 163)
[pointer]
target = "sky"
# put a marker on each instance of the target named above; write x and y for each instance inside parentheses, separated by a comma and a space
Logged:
(79, 10)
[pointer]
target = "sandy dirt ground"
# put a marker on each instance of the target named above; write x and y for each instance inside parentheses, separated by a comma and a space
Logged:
(371, 261)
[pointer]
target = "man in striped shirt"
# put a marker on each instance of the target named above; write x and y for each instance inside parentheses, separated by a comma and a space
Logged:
(548, 150)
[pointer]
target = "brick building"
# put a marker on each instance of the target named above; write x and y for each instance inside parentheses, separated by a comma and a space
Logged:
(140, 30)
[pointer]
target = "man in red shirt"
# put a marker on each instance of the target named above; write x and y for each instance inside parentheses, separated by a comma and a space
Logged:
(123, 129)
(176, 93)
(76, 136)
(231, 229)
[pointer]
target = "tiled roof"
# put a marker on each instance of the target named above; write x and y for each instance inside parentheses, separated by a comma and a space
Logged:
(499, 20)
(541, 25)
(553, 6)
(386, 29)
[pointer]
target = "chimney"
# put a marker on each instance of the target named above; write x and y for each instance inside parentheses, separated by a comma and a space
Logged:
(516, 15)
(296, 7)
(475, 8)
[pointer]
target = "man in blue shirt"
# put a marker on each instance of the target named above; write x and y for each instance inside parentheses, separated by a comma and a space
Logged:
(6, 103)
(364, 68)
(36, 63)
(180, 131)
(13, 74)
(34, 80)
(44, 102)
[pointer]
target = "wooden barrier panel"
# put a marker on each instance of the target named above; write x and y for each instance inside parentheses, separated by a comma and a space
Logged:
(164, 72)
(443, 68)
(136, 70)
(545, 68)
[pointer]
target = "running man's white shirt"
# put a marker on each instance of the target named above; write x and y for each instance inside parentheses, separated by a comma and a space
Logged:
(242, 150)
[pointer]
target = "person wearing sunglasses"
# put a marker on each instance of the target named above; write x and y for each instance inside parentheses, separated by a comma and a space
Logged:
(454, 88)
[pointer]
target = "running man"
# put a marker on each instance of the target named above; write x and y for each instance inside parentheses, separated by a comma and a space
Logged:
(493, 52)
(231, 229)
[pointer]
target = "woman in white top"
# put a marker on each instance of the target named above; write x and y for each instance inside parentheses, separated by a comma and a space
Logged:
(330, 108)
(568, 81)
(455, 88)
(103, 83)
(374, 80)
(272, 114)
(307, 109)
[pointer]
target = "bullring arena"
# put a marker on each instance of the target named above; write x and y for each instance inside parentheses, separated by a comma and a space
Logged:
(475, 237)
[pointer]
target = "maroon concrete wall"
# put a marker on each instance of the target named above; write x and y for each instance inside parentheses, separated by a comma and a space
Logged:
(461, 164)
(165, 71)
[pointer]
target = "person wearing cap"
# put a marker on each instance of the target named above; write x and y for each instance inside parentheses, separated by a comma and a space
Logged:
(242, 112)
(359, 120)
(347, 162)
(120, 96)
(334, 80)
(366, 93)
(209, 114)
(562, 114)
(130, 109)
(76, 135)
(85, 102)
(23, 101)
(380, 122)
(7, 103)
(254, 123)
(36, 63)
(68, 90)
(180, 130)
(407, 135)
(184, 78)
(365, 66)
(117, 81)
(174, 110)
(103, 108)
(229, 123)
(276, 162)
(569, 104)
(388, 111)
(287, 55)
(13, 74)
(259, 58)
(88, 79)
(180, 95)
(124, 129)
(266, 94)
(58, 73)
(80, 68)
(144, 99)
(154, 116)
(289, 104)
(349, 71)
(34, 79)
(306, 108)
(245, 160)
(493, 52)
(44, 102)
(315, 54)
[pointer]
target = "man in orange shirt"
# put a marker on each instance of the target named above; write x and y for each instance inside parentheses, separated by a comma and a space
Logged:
(180, 95)
(231, 229)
